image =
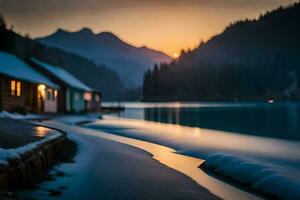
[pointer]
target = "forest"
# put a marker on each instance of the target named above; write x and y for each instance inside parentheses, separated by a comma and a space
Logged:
(250, 60)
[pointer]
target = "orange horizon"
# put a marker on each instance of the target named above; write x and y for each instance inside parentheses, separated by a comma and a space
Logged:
(167, 27)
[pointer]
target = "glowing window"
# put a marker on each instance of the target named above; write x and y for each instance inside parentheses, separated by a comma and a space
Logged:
(42, 91)
(12, 87)
(19, 88)
(87, 96)
(55, 94)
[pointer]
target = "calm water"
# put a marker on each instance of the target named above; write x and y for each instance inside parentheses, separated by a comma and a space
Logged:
(277, 120)
(258, 138)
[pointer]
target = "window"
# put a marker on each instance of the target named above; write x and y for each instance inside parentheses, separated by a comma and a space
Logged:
(55, 94)
(12, 87)
(15, 88)
(49, 94)
(42, 91)
(87, 96)
(19, 88)
(97, 97)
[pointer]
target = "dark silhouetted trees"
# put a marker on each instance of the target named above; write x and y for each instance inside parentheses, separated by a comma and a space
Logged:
(251, 60)
(2, 22)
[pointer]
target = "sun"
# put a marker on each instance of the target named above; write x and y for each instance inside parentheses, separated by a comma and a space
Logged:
(175, 55)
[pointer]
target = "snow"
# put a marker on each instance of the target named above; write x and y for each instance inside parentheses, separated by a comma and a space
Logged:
(165, 155)
(261, 177)
(267, 164)
(5, 114)
(13, 66)
(15, 154)
(73, 119)
(63, 75)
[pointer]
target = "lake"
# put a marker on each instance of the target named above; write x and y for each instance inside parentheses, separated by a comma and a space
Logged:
(276, 120)
(257, 140)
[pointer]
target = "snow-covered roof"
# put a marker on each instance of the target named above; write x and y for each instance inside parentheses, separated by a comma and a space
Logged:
(13, 66)
(63, 75)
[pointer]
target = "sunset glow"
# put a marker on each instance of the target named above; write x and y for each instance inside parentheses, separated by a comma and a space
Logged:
(150, 99)
(175, 55)
(164, 25)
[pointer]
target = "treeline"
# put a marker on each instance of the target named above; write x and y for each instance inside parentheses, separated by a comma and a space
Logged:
(251, 60)
(98, 77)
(231, 82)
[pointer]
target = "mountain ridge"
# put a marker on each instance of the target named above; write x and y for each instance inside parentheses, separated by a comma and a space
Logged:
(98, 77)
(129, 61)
(254, 59)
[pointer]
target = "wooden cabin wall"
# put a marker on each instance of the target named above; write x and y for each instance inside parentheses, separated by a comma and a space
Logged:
(9, 103)
(62, 100)
(31, 96)
(26, 101)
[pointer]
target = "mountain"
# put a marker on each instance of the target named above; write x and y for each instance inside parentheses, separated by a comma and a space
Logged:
(96, 76)
(106, 48)
(250, 60)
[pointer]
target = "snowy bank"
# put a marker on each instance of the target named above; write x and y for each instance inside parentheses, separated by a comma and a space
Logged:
(7, 155)
(261, 177)
(79, 119)
(276, 157)
(19, 116)
(29, 163)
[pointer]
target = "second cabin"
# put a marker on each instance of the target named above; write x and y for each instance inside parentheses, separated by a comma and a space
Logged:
(74, 96)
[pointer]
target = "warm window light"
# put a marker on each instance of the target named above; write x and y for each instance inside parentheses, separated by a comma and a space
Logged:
(87, 96)
(15, 88)
(42, 87)
(12, 87)
(42, 90)
(55, 93)
(19, 88)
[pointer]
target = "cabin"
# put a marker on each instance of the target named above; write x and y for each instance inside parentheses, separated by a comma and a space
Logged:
(93, 101)
(23, 89)
(74, 96)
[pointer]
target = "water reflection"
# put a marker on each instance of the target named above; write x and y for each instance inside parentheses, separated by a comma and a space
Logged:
(168, 156)
(200, 142)
(41, 131)
(267, 120)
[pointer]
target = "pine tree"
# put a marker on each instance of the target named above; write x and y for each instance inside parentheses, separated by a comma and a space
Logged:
(2, 22)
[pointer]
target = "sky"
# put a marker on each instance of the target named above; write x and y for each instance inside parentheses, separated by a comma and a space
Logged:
(166, 25)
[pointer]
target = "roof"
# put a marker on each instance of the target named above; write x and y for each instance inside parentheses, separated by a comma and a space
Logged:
(63, 75)
(15, 67)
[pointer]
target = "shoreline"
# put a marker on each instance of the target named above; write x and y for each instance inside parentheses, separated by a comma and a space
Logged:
(217, 186)
(187, 165)
(123, 166)
(202, 143)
